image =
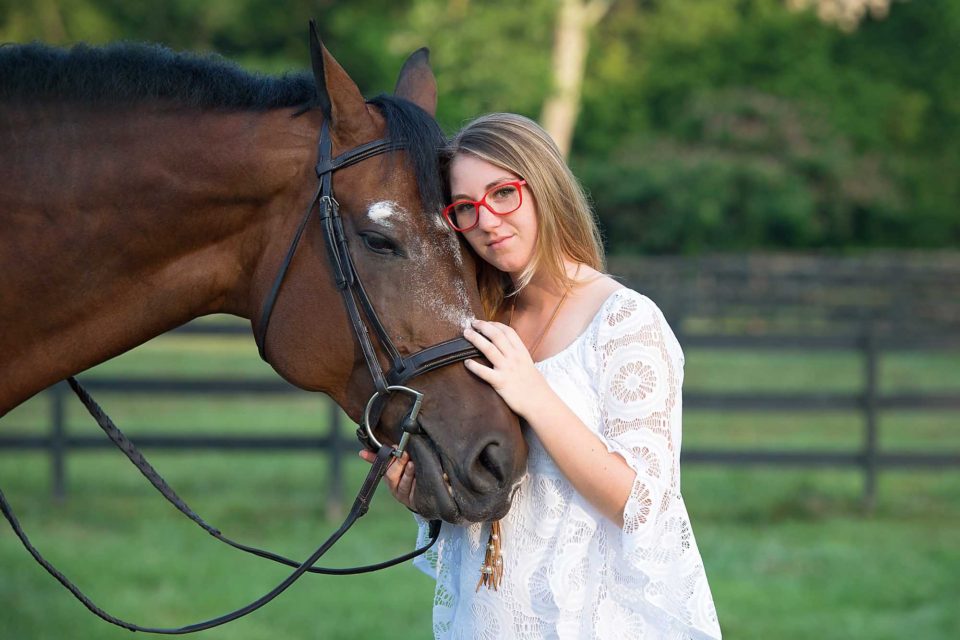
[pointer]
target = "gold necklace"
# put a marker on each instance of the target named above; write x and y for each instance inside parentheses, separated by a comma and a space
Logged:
(546, 327)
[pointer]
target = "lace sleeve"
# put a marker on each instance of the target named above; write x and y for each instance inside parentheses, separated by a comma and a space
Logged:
(425, 562)
(639, 376)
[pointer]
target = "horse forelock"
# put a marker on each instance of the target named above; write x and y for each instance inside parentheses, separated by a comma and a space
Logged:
(422, 140)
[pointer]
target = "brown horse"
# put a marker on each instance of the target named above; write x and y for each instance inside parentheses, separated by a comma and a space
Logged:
(140, 188)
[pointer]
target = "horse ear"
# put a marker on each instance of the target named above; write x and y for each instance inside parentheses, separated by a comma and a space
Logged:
(417, 83)
(316, 60)
(338, 97)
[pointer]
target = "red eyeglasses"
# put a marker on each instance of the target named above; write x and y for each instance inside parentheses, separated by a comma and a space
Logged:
(506, 197)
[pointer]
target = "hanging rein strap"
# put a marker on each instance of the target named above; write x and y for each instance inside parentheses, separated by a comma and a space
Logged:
(360, 507)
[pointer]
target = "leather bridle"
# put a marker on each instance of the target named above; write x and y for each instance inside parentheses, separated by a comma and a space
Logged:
(355, 298)
(402, 369)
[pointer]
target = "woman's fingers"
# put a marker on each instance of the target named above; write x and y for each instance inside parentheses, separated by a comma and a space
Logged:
(489, 350)
(513, 337)
(483, 372)
(405, 485)
(395, 471)
(400, 476)
(494, 332)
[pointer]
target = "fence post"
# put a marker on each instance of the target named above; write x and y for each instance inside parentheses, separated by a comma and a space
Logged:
(335, 490)
(870, 418)
(58, 445)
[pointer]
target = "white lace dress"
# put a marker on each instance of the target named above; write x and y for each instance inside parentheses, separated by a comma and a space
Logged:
(569, 572)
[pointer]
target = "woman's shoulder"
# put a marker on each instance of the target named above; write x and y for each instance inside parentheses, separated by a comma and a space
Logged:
(594, 290)
(602, 308)
(610, 300)
(628, 319)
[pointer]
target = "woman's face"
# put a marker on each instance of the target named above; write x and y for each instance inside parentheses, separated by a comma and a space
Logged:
(507, 242)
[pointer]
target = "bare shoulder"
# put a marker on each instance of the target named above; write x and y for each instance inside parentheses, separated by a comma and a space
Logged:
(593, 289)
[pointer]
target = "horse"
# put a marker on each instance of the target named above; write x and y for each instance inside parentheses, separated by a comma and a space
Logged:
(141, 188)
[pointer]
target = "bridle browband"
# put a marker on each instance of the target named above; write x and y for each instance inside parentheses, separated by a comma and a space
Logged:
(402, 369)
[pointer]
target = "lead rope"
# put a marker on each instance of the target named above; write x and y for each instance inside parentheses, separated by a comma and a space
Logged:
(491, 573)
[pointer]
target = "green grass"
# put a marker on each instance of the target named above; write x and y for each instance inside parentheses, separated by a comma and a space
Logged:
(789, 552)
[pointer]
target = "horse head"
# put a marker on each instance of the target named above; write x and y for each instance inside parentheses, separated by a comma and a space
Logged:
(469, 451)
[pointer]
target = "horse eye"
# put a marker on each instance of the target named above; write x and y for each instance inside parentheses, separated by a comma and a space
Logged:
(379, 244)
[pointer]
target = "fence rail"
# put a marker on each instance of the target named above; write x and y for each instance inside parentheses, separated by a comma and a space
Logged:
(868, 401)
(870, 305)
(58, 443)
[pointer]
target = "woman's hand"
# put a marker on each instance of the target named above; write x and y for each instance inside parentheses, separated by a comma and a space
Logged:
(513, 374)
(400, 477)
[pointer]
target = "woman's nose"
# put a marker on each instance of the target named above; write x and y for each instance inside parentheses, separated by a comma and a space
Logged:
(487, 219)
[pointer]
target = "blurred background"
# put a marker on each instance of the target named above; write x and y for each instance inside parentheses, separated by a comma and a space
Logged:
(779, 175)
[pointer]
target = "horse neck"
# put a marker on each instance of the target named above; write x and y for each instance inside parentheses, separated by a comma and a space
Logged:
(121, 225)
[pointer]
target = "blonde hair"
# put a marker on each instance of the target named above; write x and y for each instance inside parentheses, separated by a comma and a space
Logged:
(566, 226)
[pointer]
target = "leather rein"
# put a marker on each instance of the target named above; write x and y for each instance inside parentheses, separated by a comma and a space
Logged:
(402, 369)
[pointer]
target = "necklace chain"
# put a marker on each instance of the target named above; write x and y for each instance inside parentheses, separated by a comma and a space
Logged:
(546, 327)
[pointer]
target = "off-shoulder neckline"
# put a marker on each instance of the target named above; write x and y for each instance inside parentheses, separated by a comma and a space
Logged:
(586, 329)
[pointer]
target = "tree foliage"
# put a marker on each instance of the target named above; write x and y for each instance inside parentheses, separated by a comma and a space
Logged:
(704, 124)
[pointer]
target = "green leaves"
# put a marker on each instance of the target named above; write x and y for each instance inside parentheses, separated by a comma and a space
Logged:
(705, 124)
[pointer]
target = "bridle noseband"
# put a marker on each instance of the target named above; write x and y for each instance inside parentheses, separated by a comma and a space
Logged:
(355, 298)
(402, 369)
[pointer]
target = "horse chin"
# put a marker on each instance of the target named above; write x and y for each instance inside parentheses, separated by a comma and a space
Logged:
(440, 494)
(433, 500)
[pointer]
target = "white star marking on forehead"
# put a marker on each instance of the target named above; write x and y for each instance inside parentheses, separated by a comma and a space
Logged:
(384, 212)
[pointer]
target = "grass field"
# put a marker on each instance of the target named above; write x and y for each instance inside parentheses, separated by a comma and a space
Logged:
(789, 553)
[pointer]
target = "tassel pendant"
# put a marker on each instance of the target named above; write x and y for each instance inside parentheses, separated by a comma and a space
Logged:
(491, 573)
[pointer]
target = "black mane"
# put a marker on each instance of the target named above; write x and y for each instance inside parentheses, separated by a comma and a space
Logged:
(129, 73)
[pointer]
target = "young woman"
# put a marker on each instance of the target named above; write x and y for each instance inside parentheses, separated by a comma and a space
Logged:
(597, 543)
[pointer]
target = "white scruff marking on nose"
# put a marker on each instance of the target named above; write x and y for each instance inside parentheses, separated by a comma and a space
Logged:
(463, 314)
(455, 308)
(382, 212)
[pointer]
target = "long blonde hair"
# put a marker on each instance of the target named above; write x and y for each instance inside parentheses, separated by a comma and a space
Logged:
(566, 226)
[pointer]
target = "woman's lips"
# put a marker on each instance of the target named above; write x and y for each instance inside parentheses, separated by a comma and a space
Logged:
(499, 242)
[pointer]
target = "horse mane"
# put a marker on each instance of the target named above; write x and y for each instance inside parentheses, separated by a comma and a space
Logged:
(130, 73)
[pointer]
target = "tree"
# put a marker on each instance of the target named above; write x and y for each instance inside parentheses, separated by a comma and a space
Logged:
(575, 20)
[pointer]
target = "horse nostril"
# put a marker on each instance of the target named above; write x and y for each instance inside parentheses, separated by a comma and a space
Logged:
(489, 468)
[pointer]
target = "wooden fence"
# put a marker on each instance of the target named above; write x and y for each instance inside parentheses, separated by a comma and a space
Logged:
(716, 303)
(872, 304)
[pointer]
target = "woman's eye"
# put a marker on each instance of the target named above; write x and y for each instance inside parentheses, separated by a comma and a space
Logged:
(379, 244)
(503, 192)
